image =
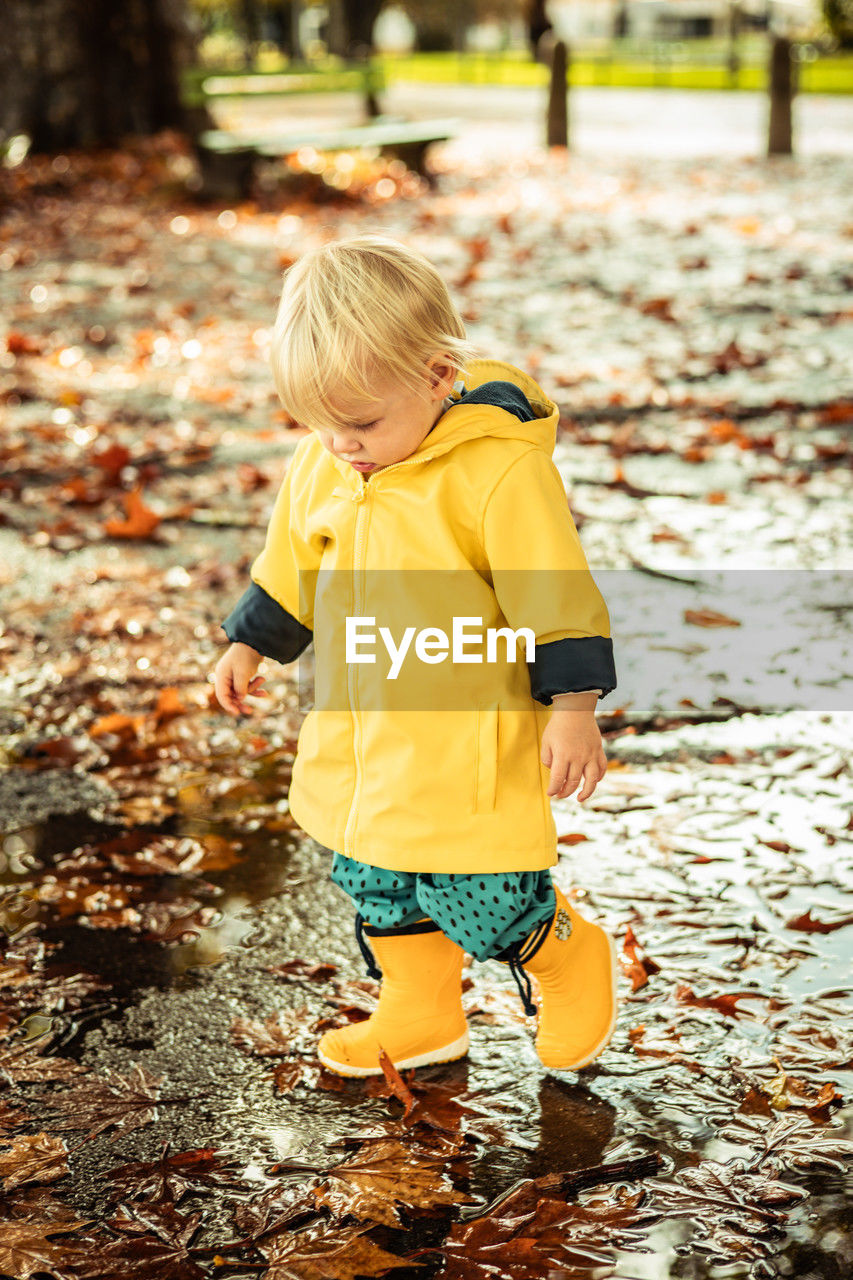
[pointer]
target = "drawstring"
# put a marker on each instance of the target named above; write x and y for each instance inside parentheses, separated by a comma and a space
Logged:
(517, 955)
(373, 970)
(525, 986)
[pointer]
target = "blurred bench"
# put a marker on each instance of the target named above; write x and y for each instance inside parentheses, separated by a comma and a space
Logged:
(227, 161)
(202, 84)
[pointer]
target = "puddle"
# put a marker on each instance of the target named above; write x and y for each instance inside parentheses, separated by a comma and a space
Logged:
(737, 1018)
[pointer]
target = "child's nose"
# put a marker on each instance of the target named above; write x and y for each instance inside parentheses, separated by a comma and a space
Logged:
(343, 445)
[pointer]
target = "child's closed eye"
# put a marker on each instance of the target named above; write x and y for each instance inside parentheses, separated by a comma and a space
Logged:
(364, 426)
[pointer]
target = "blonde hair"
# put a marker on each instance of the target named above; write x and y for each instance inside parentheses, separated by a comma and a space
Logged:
(354, 313)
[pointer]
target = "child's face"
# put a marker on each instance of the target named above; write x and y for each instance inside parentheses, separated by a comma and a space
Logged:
(391, 428)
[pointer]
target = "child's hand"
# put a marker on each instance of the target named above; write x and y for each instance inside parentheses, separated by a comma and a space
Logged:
(235, 679)
(571, 748)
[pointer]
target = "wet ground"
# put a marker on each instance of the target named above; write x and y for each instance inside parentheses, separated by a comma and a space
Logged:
(162, 917)
(716, 856)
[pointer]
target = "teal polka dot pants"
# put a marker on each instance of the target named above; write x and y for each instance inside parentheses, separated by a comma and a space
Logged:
(485, 913)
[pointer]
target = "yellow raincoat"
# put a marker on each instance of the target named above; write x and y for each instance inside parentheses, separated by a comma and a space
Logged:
(437, 769)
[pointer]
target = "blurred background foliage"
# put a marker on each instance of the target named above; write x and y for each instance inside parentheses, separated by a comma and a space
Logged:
(90, 72)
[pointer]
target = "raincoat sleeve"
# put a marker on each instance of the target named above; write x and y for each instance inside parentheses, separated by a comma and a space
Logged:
(542, 580)
(259, 621)
(275, 615)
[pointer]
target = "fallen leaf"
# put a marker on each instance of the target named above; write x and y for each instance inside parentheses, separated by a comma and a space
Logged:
(140, 522)
(25, 1249)
(638, 969)
(709, 618)
(808, 924)
(327, 1251)
(381, 1177)
(116, 1101)
(35, 1157)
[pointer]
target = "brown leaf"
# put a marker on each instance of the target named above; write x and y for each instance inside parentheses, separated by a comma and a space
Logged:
(25, 1248)
(639, 970)
(659, 307)
(11, 1115)
(709, 617)
(35, 1157)
(785, 1091)
(755, 1104)
(169, 705)
(120, 1102)
(726, 1003)
(140, 522)
(793, 1142)
(23, 344)
(729, 1205)
(170, 1177)
(20, 1062)
(397, 1084)
(278, 1036)
(310, 1072)
(381, 1176)
(808, 924)
(142, 1257)
(541, 1236)
(124, 726)
(112, 460)
(302, 969)
(326, 1251)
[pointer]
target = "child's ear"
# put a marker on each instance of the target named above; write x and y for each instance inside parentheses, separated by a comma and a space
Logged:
(442, 376)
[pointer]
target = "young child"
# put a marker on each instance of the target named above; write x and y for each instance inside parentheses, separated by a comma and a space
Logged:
(425, 494)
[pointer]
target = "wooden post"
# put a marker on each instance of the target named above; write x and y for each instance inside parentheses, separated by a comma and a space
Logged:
(780, 142)
(558, 98)
(734, 24)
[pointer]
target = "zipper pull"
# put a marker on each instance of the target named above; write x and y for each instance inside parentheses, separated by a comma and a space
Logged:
(360, 494)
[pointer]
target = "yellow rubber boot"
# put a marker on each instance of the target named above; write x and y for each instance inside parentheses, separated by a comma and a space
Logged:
(419, 1018)
(574, 963)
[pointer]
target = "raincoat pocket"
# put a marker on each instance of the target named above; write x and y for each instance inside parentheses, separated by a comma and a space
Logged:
(486, 759)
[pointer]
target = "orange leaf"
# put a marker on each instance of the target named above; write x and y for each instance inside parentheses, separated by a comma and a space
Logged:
(637, 969)
(140, 523)
(709, 618)
(809, 924)
(725, 429)
(396, 1083)
(726, 1003)
(111, 460)
(23, 344)
(840, 411)
(168, 706)
(660, 307)
(124, 726)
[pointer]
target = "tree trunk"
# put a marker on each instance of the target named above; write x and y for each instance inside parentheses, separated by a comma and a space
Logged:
(780, 130)
(557, 132)
(251, 22)
(80, 73)
(359, 17)
(538, 25)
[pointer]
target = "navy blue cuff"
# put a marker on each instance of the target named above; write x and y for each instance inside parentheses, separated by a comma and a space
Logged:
(262, 623)
(572, 665)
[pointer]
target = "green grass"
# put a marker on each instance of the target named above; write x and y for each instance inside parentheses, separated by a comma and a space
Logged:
(825, 75)
(697, 65)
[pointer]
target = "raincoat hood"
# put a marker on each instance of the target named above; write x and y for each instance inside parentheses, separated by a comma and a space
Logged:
(464, 421)
(477, 418)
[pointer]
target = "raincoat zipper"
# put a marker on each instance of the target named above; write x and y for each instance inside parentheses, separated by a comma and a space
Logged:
(359, 547)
